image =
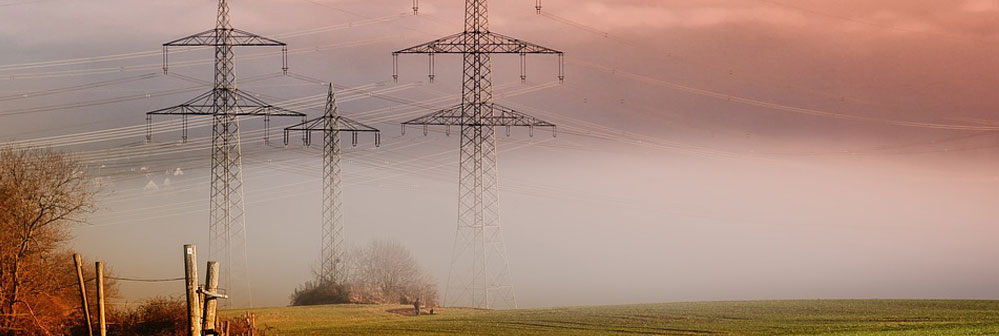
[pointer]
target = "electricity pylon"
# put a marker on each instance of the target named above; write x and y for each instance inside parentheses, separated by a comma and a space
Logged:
(227, 224)
(480, 274)
(332, 261)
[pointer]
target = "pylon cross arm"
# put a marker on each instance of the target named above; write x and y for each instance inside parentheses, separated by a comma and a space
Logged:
(500, 116)
(483, 42)
(246, 105)
(272, 111)
(343, 124)
(235, 37)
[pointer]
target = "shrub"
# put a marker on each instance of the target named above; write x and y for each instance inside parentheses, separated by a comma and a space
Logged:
(168, 317)
(320, 293)
(156, 317)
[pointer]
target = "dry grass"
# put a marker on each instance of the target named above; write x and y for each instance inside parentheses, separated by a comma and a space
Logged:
(826, 317)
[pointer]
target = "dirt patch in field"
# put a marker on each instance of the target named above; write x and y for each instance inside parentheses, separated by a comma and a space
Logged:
(426, 311)
(403, 311)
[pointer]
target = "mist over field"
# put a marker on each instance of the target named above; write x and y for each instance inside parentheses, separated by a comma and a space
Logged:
(706, 150)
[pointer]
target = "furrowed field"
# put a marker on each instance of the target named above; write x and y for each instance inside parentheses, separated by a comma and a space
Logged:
(825, 317)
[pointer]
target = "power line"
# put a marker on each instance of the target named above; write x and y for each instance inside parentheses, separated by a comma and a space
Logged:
(671, 55)
(157, 53)
(145, 280)
(777, 106)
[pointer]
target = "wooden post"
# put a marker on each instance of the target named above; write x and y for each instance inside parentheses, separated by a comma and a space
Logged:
(201, 306)
(252, 323)
(100, 300)
(191, 277)
(83, 292)
(211, 302)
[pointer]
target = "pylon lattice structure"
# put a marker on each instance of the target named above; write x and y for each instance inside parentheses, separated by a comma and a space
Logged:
(480, 274)
(332, 259)
(225, 103)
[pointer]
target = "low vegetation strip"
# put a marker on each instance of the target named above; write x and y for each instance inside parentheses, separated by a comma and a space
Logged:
(816, 317)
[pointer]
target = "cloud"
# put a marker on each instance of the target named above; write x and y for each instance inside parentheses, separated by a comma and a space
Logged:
(874, 18)
(978, 6)
(637, 15)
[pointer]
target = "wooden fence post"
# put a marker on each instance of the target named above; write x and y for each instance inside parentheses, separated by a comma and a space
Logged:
(251, 320)
(83, 292)
(100, 300)
(191, 277)
(201, 306)
(211, 300)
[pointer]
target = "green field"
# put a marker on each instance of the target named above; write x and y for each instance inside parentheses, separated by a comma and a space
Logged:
(820, 317)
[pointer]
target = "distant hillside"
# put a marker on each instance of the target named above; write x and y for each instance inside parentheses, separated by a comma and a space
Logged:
(820, 317)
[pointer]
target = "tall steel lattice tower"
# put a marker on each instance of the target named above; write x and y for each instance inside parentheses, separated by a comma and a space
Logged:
(480, 274)
(225, 103)
(332, 261)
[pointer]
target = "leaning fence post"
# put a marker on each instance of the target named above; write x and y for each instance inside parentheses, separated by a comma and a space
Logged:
(83, 292)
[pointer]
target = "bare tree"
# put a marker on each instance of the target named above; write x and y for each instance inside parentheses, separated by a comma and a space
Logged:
(386, 272)
(41, 192)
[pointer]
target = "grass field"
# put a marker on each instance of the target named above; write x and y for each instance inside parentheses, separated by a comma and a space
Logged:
(825, 317)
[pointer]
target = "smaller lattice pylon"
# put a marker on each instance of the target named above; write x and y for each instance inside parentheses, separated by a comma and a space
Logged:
(332, 261)
(332, 121)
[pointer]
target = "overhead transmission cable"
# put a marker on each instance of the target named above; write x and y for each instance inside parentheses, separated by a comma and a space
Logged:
(158, 52)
